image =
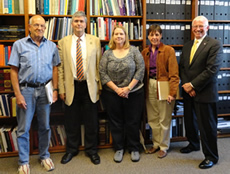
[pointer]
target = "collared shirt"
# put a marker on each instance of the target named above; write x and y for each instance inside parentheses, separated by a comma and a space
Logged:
(73, 53)
(199, 40)
(35, 63)
(152, 61)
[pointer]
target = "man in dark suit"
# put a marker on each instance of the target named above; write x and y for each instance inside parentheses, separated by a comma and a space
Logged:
(198, 75)
(79, 85)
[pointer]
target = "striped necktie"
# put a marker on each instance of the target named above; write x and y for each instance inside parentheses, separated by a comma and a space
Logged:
(194, 48)
(79, 61)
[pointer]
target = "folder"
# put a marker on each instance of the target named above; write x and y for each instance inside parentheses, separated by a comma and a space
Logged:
(182, 10)
(162, 9)
(163, 90)
(49, 91)
(187, 33)
(148, 9)
(225, 9)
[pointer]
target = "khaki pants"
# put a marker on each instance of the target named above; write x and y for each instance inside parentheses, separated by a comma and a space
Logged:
(159, 114)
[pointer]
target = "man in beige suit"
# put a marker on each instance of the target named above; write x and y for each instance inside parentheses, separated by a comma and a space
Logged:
(79, 85)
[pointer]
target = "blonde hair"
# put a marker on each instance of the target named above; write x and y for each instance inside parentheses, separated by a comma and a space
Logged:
(112, 44)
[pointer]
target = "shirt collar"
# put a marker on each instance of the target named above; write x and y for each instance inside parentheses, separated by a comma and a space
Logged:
(82, 37)
(150, 47)
(201, 39)
(29, 38)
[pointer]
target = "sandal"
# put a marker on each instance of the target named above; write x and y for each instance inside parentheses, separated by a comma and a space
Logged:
(152, 150)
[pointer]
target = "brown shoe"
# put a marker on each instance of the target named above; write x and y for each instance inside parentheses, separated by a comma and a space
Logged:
(162, 154)
(152, 150)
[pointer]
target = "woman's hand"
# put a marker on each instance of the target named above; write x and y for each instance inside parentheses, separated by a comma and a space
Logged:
(170, 99)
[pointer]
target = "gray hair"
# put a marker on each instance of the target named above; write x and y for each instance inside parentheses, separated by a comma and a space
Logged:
(79, 14)
(201, 18)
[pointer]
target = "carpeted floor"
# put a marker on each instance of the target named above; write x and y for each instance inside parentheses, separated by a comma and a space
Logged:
(174, 163)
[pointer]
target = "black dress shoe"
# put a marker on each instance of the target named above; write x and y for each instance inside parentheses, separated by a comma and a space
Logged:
(95, 159)
(67, 157)
(188, 149)
(206, 164)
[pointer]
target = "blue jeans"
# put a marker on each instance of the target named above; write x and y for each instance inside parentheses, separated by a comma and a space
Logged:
(36, 100)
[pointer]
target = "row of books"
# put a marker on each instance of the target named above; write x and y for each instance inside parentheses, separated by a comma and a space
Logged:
(56, 7)
(57, 28)
(58, 136)
(11, 6)
(5, 82)
(103, 27)
(5, 52)
(226, 57)
(223, 105)
(8, 139)
(7, 105)
(173, 33)
(214, 9)
(223, 125)
(220, 31)
(12, 32)
(168, 9)
(223, 80)
(116, 7)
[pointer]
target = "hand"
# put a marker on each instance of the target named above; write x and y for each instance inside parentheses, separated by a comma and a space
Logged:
(192, 93)
(170, 99)
(123, 92)
(21, 102)
(187, 87)
(55, 96)
(62, 96)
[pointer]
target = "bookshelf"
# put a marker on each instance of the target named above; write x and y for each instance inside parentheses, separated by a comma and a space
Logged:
(23, 19)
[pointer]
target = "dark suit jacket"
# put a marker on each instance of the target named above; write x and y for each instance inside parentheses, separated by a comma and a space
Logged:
(202, 72)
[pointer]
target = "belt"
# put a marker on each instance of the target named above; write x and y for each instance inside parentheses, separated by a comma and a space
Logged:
(79, 81)
(33, 85)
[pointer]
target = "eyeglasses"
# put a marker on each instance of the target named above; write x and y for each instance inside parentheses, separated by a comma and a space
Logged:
(37, 26)
(199, 26)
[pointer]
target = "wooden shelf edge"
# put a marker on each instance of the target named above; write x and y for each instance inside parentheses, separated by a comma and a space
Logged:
(168, 20)
(107, 16)
(8, 154)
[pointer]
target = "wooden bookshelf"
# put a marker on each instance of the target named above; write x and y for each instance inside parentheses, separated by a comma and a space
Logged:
(23, 19)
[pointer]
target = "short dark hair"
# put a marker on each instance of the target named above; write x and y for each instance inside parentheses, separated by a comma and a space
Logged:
(154, 28)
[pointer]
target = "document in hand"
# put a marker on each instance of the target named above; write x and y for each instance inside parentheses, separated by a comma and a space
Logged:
(49, 91)
(163, 90)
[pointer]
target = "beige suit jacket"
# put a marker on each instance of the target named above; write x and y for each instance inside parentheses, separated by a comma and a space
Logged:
(65, 70)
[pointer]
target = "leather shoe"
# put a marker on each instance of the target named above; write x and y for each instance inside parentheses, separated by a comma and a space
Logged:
(95, 159)
(67, 157)
(206, 164)
(188, 149)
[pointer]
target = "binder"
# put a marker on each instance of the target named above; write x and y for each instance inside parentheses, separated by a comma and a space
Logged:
(188, 9)
(178, 9)
(226, 34)
(225, 10)
(211, 9)
(172, 34)
(167, 9)
(177, 34)
(187, 33)
(182, 10)
(211, 31)
(152, 8)
(162, 9)
(220, 33)
(163, 33)
(217, 10)
(156, 11)
(167, 34)
(148, 9)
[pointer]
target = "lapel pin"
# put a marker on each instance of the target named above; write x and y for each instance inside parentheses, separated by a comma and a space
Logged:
(205, 43)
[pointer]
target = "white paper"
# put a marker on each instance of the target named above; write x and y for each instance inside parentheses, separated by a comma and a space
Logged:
(49, 92)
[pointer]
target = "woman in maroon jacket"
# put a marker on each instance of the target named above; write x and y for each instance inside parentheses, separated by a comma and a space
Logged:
(160, 65)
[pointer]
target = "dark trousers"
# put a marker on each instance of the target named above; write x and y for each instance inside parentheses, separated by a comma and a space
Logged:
(203, 117)
(81, 111)
(125, 118)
